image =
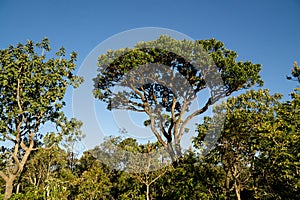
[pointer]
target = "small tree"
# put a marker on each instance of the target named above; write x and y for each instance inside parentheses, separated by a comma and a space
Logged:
(32, 89)
(162, 78)
(141, 162)
(148, 165)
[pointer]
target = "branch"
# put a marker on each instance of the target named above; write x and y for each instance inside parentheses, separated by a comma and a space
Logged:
(154, 97)
(137, 92)
(134, 105)
(173, 108)
(152, 125)
(27, 153)
(9, 138)
(147, 110)
(167, 135)
(170, 128)
(177, 122)
(18, 96)
(15, 157)
(158, 177)
(134, 109)
(23, 146)
(191, 116)
(130, 106)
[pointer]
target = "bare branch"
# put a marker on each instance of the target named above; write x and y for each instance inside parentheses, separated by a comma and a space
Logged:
(152, 125)
(167, 136)
(194, 114)
(178, 120)
(9, 138)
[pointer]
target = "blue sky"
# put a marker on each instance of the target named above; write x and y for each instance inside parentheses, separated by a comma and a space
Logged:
(261, 31)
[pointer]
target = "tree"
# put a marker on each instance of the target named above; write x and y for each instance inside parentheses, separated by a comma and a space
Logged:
(142, 164)
(32, 89)
(258, 147)
(48, 173)
(70, 141)
(162, 78)
(238, 142)
(148, 166)
(279, 162)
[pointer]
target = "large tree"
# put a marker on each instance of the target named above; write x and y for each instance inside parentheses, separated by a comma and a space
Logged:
(162, 78)
(32, 88)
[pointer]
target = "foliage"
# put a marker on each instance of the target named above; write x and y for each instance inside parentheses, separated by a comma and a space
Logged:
(259, 146)
(256, 156)
(32, 89)
(162, 78)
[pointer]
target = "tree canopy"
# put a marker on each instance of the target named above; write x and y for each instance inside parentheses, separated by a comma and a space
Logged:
(162, 78)
(32, 88)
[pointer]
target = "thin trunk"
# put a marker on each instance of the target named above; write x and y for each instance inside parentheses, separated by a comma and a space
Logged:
(147, 195)
(227, 184)
(16, 172)
(9, 187)
(18, 188)
(178, 149)
(237, 191)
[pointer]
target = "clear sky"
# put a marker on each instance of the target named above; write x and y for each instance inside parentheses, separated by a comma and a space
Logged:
(261, 31)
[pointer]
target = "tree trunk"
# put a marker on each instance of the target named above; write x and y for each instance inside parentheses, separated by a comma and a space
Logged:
(9, 181)
(9, 187)
(237, 191)
(178, 149)
(171, 151)
(147, 195)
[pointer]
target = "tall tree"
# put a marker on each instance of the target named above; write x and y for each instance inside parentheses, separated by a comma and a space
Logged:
(32, 89)
(162, 78)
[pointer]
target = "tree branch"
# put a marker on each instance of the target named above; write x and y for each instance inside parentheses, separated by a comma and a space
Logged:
(173, 108)
(18, 97)
(9, 138)
(178, 120)
(167, 136)
(158, 177)
(197, 112)
(152, 125)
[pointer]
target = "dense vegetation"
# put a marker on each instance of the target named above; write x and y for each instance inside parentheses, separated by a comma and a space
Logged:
(256, 155)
